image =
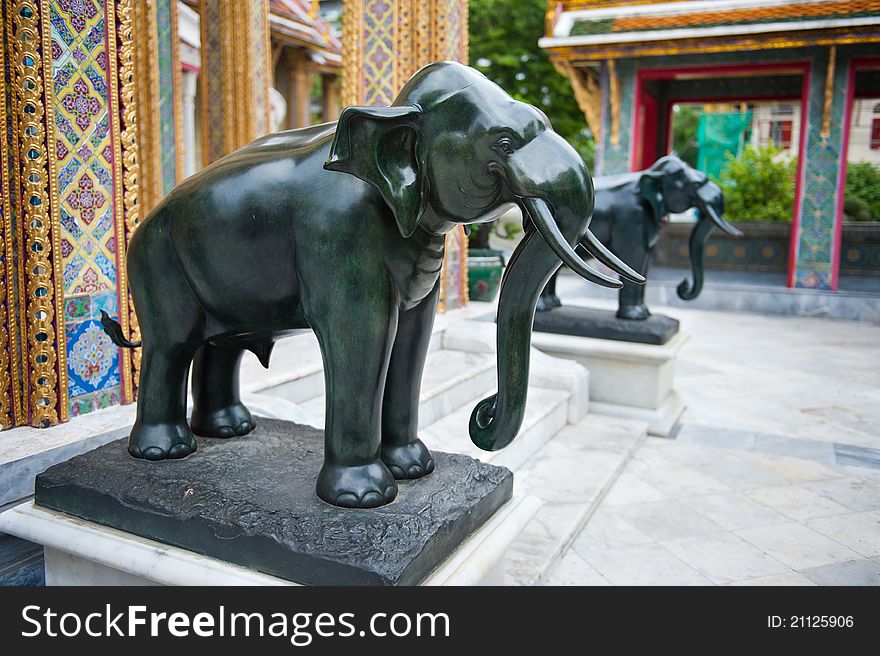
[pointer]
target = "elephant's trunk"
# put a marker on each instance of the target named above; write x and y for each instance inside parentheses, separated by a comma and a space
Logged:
(699, 237)
(497, 419)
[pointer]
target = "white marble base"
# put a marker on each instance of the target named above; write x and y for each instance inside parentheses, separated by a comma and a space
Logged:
(626, 379)
(78, 552)
(661, 421)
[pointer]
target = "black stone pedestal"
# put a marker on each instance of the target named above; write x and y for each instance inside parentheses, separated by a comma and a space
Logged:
(251, 501)
(604, 324)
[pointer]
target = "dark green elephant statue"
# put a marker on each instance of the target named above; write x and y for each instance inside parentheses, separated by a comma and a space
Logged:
(340, 228)
(630, 210)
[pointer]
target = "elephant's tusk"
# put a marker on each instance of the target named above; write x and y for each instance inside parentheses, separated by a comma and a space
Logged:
(597, 249)
(543, 220)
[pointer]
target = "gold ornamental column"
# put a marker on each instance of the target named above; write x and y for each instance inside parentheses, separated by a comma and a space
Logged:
(384, 43)
(235, 75)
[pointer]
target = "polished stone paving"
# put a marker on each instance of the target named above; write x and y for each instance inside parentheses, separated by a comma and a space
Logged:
(774, 476)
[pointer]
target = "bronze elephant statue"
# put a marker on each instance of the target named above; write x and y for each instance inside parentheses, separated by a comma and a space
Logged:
(630, 210)
(340, 228)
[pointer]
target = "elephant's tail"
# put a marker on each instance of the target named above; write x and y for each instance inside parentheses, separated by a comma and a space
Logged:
(114, 331)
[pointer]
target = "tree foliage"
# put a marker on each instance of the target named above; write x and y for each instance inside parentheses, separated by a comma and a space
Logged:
(684, 133)
(759, 185)
(504, 46)
(862, 198)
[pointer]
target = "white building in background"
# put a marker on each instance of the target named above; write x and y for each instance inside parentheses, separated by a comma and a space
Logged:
(864, 131)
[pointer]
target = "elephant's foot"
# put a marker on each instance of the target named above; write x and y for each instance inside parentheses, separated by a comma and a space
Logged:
(408, 461)
(161, 441)
(633, 312)
(232, 421)
(356, 486)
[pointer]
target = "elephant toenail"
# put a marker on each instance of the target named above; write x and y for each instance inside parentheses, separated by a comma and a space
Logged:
(224, 431)
(347, 500)
(154, 453)
(430, 466)
(371, 500)
(179, 451)
(415, 471)
(245, 427)
(135, 452)
(390, 493)
(396, 471)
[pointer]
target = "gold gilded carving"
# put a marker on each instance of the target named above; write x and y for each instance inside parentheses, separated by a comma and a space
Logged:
(586, 92)
(114, 104)
(147, 88)
(130, 216)
(7, 345)
(614, 88)
(591, 54)
(829, 92)
(42, 324)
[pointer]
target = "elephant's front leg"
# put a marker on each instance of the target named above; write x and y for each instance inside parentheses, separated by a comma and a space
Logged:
(402, 450)
(355, 334)
(631, 297)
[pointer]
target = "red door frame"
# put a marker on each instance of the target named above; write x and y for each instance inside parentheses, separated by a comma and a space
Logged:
(804, 68)
(854, 65)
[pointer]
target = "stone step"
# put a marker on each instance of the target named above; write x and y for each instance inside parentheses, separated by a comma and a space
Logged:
(546, 414)
(571, 474)
(450, 379)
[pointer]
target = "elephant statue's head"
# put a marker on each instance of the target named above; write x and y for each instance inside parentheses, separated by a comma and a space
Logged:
(670, 185)
(454, 148)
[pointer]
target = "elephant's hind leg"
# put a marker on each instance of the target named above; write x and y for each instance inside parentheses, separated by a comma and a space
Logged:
(160, 430)
(217, 407)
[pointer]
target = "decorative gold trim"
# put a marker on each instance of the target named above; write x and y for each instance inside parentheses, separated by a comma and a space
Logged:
(829, 92)
(16, 250)
(129, 163)
(591, 54)
(586, 92)
(113, 101)
(55, 217)
(176, 96)
(7, 344)
(352, 51)
(614, 89)
(34, 125)
(146, 56)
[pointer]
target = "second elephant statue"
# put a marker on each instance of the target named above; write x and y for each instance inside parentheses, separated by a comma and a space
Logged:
(630, 210)
(340, 228)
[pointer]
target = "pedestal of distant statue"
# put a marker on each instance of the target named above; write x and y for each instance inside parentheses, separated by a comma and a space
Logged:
(631, 363)
(244, 511)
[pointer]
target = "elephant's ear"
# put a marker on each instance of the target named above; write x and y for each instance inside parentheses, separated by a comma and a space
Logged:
(650, 187)
(380, 145)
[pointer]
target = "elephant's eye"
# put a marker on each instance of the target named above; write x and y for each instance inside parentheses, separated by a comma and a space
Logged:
(505, 146)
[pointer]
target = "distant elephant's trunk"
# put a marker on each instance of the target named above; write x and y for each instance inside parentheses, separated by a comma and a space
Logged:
(699, 237)
(710, 202)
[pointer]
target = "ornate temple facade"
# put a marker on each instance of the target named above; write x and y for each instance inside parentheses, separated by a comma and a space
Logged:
(631, 62)
(110, 103)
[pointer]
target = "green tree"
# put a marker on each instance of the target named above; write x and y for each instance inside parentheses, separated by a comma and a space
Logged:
(684, 133)
(504, 46)
(862, 198)
(759, 186)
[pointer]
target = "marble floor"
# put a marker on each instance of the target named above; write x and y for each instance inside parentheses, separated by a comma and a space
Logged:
(774, 476)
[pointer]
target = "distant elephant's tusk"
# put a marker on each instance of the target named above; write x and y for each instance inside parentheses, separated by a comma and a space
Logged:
(541, 216)
(596, 248)
(721, 223)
